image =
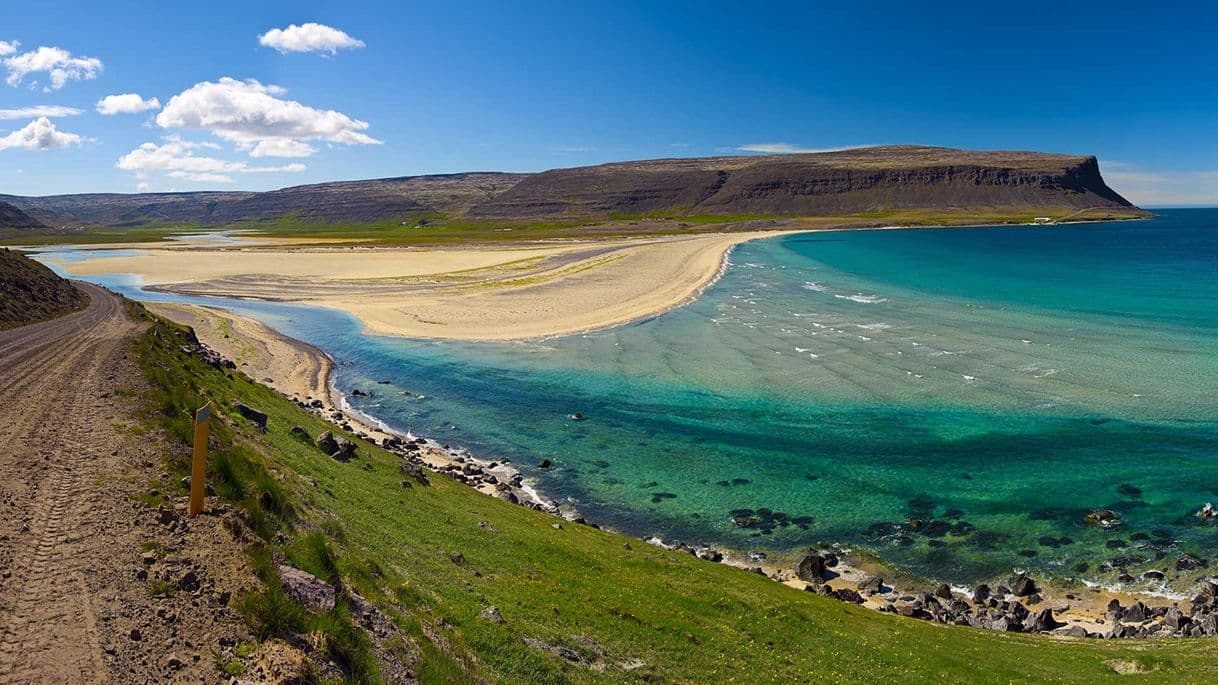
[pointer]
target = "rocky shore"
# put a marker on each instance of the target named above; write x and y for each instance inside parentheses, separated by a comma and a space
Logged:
(1019, 604)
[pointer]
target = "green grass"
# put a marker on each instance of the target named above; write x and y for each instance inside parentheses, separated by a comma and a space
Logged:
(436, 229)
(687, 620)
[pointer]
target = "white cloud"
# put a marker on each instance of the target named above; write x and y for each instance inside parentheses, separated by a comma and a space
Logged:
(789, 149)
(248, 114)
(309, 38)
(38, 111)
(1162, 188)
(8, 47)
(59, 65)
(39, 134)
(126, 103)
(177, 159)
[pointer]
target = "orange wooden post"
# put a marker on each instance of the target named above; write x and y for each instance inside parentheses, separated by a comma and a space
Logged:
(199, 466)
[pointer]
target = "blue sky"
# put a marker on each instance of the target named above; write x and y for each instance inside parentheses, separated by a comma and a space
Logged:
(397, 88)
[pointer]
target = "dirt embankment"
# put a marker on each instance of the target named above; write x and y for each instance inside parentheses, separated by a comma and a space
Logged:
(31, 292)
(97, 582)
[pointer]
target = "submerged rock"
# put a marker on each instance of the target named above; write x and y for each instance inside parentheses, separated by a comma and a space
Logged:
(1104, 518)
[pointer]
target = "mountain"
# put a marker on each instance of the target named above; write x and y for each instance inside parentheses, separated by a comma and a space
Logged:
(815, 184)
(828, 183)
(11, 217)
(31, 292)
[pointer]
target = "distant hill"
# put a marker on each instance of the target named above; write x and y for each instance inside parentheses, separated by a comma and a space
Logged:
(12, 217)
(817, 184)
(31, 292)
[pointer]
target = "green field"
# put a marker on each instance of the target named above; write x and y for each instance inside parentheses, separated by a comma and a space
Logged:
(432, 228)
(611, 600)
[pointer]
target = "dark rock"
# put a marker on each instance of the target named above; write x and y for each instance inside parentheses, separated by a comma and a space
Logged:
(1041, 622)
(872, 586)
(1136, 613)
(811, 569)
(344, 449)
(1153, 575)
(1022, 585)
(1175, 619)
(314, 594)
(189, 581)
(326, 443)
(544, 464)
(943, 592)
(981, 593)
(300, 434)
(258, 418)
(1114, 611)
(848, 595)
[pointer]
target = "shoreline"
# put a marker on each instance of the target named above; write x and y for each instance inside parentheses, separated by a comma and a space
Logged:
(1075, 610)
(527, 291)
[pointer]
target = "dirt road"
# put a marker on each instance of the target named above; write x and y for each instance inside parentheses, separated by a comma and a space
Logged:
(74, 605)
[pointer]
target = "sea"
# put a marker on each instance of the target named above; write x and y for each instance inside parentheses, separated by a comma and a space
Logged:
(952, 401)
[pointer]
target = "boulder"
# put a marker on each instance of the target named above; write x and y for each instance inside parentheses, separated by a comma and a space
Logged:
(345, 449)
(256, 417)
(1175, 619)
(848, 595)
(1022, 585)
(1041, 622)
(326, 443)
(811, 569)
(300, 434)
(981, 593)
(943, 592)
(491, 614)
(1115, 611)
(1136, 613)
(311, 592)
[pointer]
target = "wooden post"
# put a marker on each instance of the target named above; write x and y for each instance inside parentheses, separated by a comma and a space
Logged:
(198, 469)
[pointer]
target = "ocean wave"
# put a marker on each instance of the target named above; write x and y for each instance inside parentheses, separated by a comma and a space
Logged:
(863, 299)
(873, 326)
(816, 287)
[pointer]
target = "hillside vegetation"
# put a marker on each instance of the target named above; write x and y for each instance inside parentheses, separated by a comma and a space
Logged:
(573, 603)
(31, 292)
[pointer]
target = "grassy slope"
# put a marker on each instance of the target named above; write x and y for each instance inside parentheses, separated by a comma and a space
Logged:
(688, 620)
(431, 228)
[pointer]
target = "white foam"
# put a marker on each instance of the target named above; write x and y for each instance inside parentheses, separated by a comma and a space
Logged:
(863, 299)
(815, 287)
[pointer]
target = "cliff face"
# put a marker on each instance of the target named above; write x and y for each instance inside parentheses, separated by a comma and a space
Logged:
(11, 217)
(848, 182)
(831, 183)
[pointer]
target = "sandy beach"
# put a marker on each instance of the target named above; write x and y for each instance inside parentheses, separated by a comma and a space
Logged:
(464, 293)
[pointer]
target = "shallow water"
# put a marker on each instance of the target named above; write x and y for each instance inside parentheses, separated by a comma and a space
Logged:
(953, 400)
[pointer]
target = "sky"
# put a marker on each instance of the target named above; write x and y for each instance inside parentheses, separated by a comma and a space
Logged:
(153, 96)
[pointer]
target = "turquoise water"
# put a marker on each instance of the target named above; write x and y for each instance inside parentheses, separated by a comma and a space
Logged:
(954, 401)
